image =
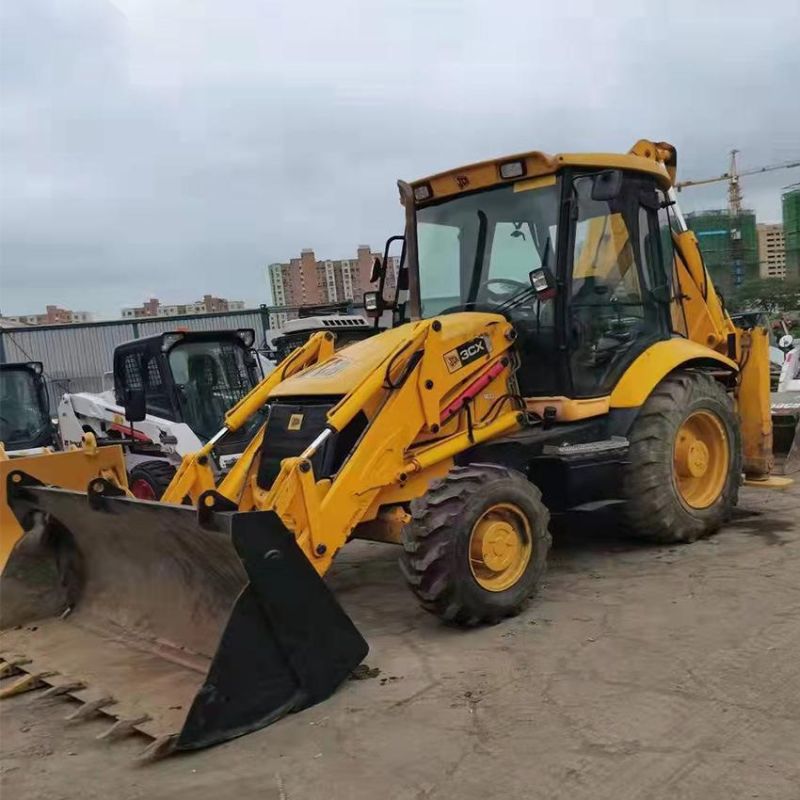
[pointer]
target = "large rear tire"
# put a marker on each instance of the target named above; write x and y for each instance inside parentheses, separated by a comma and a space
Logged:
(685, 461)
(149, 479)
(476, 547)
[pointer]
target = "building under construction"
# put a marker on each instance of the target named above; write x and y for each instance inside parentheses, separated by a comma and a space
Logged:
(729, 245)
(729, 239)
(791, 230)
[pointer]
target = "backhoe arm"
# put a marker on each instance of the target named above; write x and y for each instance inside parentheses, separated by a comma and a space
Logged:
(709, 323)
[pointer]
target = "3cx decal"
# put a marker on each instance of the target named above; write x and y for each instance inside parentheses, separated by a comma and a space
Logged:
(467, 353)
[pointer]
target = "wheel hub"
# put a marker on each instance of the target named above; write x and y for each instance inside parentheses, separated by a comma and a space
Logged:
(692, 457)
(142, 490)
(700, 459)
(500, 547)
(499, 544)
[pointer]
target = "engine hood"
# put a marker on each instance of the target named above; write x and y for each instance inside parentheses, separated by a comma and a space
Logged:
(350, 365)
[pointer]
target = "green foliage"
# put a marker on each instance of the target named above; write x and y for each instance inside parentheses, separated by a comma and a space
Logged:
(766, 294)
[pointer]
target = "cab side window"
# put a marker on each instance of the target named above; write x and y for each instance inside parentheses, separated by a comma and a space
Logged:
(155, 388)
(617, 301)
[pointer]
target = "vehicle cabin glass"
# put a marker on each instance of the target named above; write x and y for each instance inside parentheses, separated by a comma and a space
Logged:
(615, 295)
(476, 253)
(23, 413)
(620, 291)
(210, 378)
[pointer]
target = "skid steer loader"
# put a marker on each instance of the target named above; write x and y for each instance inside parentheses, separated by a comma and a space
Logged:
(171, 391)
(555, 341)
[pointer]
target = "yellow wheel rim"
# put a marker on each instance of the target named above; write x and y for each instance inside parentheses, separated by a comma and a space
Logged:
(500, 547)
(700, 459)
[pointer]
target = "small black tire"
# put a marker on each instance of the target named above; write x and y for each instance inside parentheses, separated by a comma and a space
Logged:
(436, 560)
(148, 480)
(655, 508)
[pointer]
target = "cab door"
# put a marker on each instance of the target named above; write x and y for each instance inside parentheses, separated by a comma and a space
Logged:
(618, 289)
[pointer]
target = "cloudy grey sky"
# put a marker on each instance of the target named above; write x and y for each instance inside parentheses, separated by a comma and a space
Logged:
(176, 147)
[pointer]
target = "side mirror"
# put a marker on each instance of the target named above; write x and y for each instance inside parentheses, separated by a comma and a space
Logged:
(247, 335)
(372, 304)
(377, 269)
(786, 342)
(135, 405)
(607, 185)
(543, 282)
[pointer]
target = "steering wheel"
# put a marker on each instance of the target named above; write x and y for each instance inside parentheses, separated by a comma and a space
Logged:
(511, 285)
(492, 300)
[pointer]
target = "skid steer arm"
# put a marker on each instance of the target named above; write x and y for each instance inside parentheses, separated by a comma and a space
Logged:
(194, 476)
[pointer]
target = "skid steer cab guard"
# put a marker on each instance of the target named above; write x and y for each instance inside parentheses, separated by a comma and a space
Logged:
(550, 339)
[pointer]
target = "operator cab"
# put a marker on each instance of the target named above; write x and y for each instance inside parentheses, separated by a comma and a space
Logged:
(578, 259)
(187, 376)
(25, 422)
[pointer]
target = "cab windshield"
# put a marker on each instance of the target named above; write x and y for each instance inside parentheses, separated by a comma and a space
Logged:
(23, 418)
(476, 251)
(210, 378)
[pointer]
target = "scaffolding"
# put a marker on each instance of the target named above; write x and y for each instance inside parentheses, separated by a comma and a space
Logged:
(729, 244)
(791, 229)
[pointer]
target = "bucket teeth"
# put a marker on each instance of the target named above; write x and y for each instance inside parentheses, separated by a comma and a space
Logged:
(159, 748)
(27, 683)
(11, 665)
(89, 709)
(122, 727)
(62, 689)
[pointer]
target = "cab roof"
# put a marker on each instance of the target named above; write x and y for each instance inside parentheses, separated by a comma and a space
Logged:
(155, 342)
(655, 158)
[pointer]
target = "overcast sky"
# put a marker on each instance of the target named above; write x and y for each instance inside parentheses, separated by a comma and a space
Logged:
(175, 147)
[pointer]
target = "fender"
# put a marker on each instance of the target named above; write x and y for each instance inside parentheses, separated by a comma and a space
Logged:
(651, 366)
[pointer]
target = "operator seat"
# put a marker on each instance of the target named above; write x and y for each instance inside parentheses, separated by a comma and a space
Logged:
(202, 403)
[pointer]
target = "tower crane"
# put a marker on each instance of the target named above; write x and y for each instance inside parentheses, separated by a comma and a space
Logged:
(735, 204)
(732, 176)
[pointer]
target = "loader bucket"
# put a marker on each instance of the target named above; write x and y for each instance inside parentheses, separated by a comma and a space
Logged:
(786, 431)
(69, 469)
(190, 628)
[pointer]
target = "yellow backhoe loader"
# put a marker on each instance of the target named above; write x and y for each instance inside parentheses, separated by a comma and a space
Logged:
(553, 340)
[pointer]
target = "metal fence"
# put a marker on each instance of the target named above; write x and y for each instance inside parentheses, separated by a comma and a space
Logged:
(76, 356)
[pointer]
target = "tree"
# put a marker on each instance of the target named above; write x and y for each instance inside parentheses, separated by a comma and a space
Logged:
(767, 294)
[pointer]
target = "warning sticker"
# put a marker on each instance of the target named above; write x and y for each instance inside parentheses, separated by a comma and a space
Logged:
(295, 422)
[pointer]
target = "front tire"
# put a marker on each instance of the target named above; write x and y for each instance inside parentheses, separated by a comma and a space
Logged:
(149, 479)
(685, 461)
(476, 547)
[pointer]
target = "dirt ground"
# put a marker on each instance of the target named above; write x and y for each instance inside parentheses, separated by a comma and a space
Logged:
(639, 672)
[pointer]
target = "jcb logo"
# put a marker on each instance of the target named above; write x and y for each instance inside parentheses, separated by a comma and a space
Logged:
(452, 360)
(467, 353)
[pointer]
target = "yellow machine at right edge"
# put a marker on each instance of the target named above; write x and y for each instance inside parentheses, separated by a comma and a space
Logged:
(553, 341)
